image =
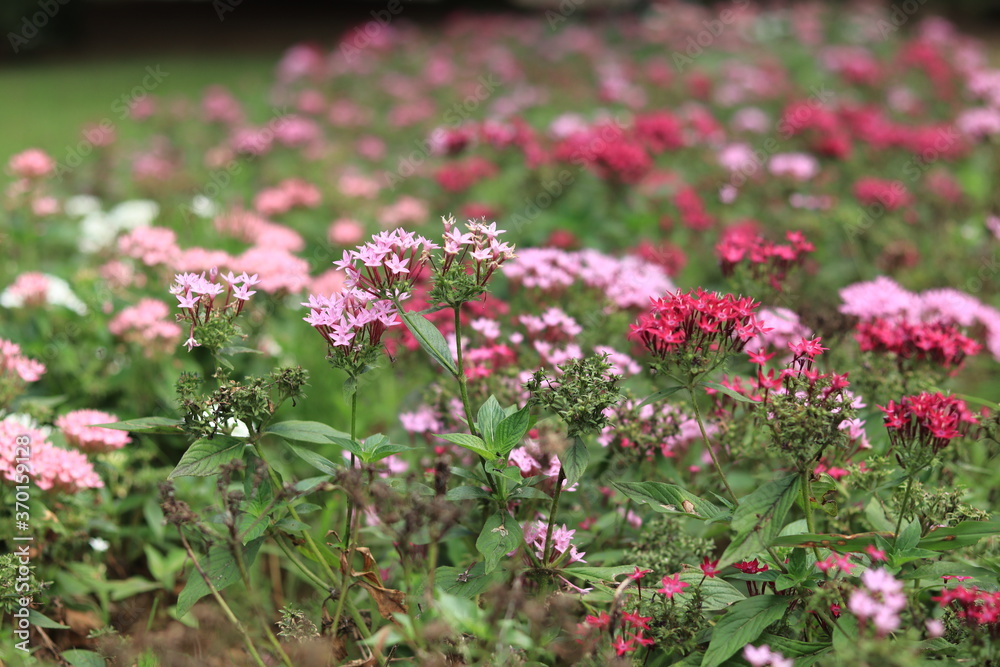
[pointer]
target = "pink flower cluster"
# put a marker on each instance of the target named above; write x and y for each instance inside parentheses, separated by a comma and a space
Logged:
(196, 296)
(31, 164)
(885, 298)
(252, 228)
(147, 324)
(151, 245)
(890, 194)
(290, 193)
(627, 282)
(79, 430)
(352, 319)
(927, 421)
(30, 289)
(977, 607)
(387, 266)
(17, 369)
(880, 601)
(763, 656)
(697, 322)
(562, 538)
(940, 343)
(764, 259)
(51, 468)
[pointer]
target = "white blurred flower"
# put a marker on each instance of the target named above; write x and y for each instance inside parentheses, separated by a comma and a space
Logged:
(80, 205)
(99, 545)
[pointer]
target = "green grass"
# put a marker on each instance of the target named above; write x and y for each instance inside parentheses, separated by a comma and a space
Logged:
(46, 103)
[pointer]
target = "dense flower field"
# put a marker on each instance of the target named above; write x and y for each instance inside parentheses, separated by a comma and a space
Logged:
(520, 341)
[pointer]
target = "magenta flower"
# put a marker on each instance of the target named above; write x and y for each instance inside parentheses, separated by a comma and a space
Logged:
(672, 586)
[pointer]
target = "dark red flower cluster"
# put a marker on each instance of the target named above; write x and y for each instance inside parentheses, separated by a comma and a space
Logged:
(630, 631)
(459, 176)
(699, 325)
(941, 343)
(890, 194)
(925, 423)
(692, 210)
(978, 607)
(763, 258)
(660, 131)
(607, 149)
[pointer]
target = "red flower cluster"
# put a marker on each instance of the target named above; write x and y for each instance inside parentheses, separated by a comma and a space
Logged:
(660, 131)
(692, 210)
(944, 344)
(890, 194)
(460, 176)
(764, 258)
(926, 422)
(630, 632)
(978, 607)
(614, 155)
(666, 255)
(697, 323)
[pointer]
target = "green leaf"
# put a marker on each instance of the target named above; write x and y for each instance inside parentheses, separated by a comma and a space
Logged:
(431, 340)
(574, 461)
(471, 442)
(147, 425)
(728, 392)
(305, 431)
(529, 493)
(467, 493)
(908, 538)
(663, 393)
(290, 525)
(352, 446)
(843, 641)
(511, 430)
(317, 461)
(964, 534)
(742, 624)
(221, 569)
(501, 535)
(669, 499)
(759, 518)
(935, 571)
(834, 541)
(716, 593)
(490, 414)
(43, 621)
(238, 349)
(377, 447)
(207, 455)
(80, 658)
(805, 653)
(466, 583)
(599, 574)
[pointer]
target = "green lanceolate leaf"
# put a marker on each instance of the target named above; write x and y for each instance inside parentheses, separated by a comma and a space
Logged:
(670, 499)
(501, 535)
(574, 461)
(742, 624)
(736, 396)
(759, 518)
(716, 593)
(490, 414)
(221, 569)
(660, 395)
(471, 442)
(317, 461)
(147, 425)
(466, 582)
(206, 456)
(305, 431)
(430, 340)
(510, 431)
(467, 493)
(964, 534)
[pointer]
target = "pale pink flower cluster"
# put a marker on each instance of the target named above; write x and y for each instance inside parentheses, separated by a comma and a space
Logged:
(406, 210)
(686, 425)
(79, 430)
(51, 468)
(30, 289)
(279, 270)
(387, 265)
(290, 193)
(32, 163)
(884, 298)
(352, 184)
(147, 324)
(979, 123)
(151, 245)
(345, 232)
(12, 363)
(481, 243)
(422, 420)
(781, 327)
(251, 228)
(196, 297)
(553, 324)
(621, 363)
(562, 541)
(627, 282)
(763, 656)
(343, 318)
(736, 156)
(880, 600)
(220, 106)
(297, 132)
(797, 166)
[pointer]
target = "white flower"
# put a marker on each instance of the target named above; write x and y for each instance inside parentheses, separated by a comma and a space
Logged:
(204, 207)
(134, 213)
(80, 205)
(99, 545)
(57, 293)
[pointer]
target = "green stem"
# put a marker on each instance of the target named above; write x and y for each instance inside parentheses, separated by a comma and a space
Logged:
(552, 517)
(708, 445)
(460, 375)
(807, 507)
(902, 509)
(222, 602)
(350, 500)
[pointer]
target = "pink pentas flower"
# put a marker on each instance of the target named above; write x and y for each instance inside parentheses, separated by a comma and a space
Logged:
(32, 163)
(562, 537)
(78, 427)
(52, 469)
(16, 366)
(672, 586)
(147, 324)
